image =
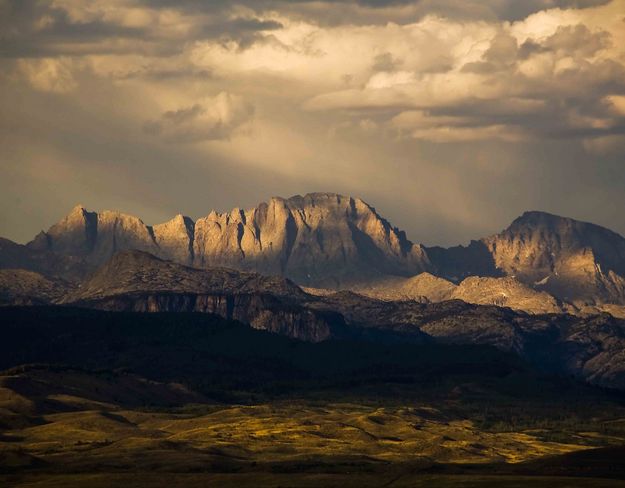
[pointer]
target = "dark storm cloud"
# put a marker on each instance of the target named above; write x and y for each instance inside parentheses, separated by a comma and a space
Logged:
(504, 9)
(21, 36)
(576, 39)
(336, 12)
(31, 28)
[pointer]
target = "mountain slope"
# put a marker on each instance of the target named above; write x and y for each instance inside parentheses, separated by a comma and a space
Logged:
(502, 292)
(137, 281)
(19, 286)
(43, 261)
(506, 292)
(131, 272)
(575, 261)
(320, 239)
(422, 287)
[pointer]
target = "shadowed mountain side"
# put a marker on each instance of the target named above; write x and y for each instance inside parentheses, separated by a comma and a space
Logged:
(589, 347)
(137, 281)
(458, 262)
(210, 354)
(137, 271)
(21, 287)
(50, 264)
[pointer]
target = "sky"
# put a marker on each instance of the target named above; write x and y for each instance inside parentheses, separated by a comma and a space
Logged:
(451, 117)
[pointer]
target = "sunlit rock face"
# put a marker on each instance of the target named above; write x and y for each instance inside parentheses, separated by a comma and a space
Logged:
(175, 239)
(96, 236)
(320, 239)
(502, 292)
(575, 261)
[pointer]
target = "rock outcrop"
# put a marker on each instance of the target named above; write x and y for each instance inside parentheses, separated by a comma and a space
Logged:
(502, 292)
(424, 287)
(506, 292)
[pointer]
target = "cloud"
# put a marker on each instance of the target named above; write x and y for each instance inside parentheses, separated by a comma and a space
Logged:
(208, 119)
(48, 74)
(368, 12)
(68, 27)
(548, 84)
(472, 110)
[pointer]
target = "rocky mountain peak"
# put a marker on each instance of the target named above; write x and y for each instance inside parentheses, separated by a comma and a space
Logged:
(73, 235)
(175, 239)
(571, 259)
(322, 239)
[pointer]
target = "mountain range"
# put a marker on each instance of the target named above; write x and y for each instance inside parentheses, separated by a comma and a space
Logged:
(327, 267)
(541, 263)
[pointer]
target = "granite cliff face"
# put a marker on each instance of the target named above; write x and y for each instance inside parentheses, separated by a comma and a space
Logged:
(95, 237)
(574, 260)
(578, 262)
(320, 239)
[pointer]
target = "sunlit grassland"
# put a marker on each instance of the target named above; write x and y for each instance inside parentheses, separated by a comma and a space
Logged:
(231, 437)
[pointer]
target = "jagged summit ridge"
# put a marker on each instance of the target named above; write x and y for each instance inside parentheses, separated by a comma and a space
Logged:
(321, 239)
(327, 240)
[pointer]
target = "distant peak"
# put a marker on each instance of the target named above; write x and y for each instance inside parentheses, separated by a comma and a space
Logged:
(532, 214)
(80, 212)
(183, 219)
(178, 221)
(537, 217)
